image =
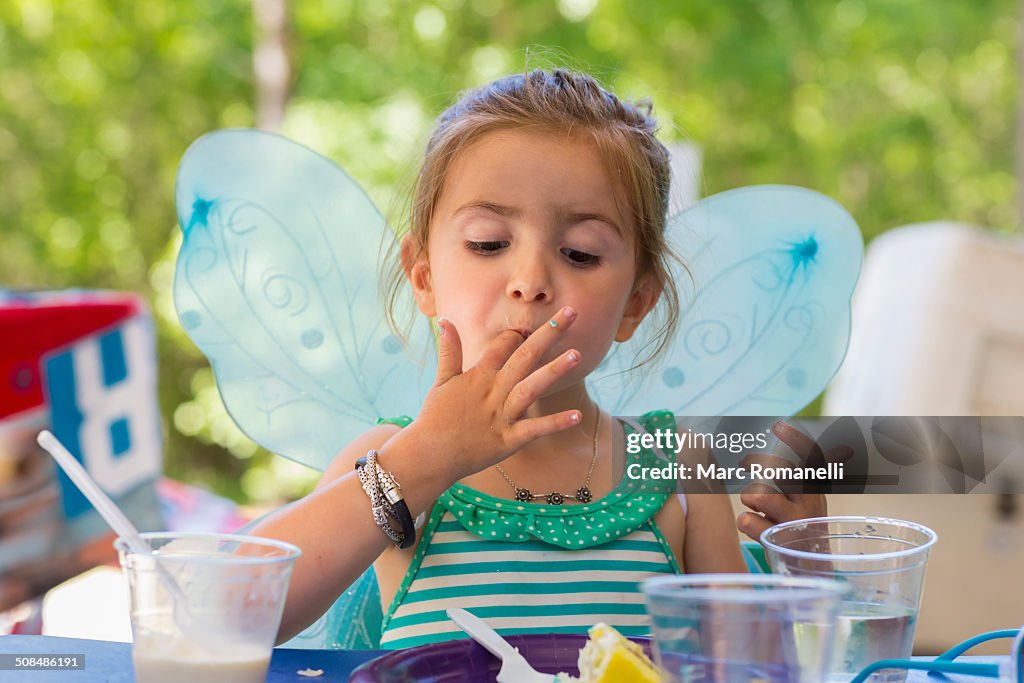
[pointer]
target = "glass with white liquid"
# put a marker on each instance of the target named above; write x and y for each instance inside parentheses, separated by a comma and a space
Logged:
(883, 563)
(205, 607)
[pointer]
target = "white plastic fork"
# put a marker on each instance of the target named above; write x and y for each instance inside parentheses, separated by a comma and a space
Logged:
(514, 667)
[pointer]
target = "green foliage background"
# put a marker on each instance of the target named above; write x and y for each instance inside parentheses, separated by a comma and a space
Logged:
(903, 110)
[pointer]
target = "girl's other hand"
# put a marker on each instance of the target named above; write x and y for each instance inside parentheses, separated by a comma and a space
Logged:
(475, 418)
(769, 506)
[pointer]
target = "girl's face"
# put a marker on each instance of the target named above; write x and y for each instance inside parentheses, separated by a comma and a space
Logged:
(528, 223)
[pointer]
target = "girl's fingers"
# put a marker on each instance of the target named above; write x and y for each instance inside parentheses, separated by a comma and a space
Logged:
(449, 351)
(803, 445)
(527, 357)
(497, 353)
(793, 489)
(525, 431)
(751, 524)
(761, 498)
(773, 507)
(766, 460)
(530, 389)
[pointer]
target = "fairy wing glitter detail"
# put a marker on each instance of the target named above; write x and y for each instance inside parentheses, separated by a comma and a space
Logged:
(276, 283)
(766, 308)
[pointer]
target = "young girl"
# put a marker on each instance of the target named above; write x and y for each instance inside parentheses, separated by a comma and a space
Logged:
(536, 240)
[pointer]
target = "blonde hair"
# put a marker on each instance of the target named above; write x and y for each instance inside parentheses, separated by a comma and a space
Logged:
(559, 101)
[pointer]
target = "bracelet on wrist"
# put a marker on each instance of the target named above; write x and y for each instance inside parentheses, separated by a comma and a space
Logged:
(399, 510)
(386, 500)
(368, 479)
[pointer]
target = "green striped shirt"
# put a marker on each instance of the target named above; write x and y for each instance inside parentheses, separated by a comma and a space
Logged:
(529, 587)
(515, 565)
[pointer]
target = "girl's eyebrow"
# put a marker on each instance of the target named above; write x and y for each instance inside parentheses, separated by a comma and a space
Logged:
(503, 211)
(574, 218)
(566, 217)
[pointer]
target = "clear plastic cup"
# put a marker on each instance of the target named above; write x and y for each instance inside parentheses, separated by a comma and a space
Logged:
(1015, 670)
(882, 561)
(737, 628)
(205, 607)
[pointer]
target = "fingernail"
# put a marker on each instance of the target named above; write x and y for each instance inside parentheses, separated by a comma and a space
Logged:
(575, 417)
(778, 426)
(442, 323)
(572, 357)
(569, 312)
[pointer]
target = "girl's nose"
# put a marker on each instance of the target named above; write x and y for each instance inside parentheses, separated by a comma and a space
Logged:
(530, 282)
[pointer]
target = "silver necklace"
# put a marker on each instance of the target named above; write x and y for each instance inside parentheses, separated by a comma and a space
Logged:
(583, 494)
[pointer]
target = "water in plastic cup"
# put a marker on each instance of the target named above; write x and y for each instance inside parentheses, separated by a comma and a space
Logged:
(224, 622)
(882, 561)
(737, 628)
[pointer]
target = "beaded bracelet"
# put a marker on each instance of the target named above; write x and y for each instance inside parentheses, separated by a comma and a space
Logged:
(386, 500)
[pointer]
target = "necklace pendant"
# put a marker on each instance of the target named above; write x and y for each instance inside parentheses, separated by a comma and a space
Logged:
(555, 498)
(584, 495)
(523, 495)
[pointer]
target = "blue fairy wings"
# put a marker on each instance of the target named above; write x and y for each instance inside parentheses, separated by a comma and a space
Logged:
(770, 272)
(276, 282)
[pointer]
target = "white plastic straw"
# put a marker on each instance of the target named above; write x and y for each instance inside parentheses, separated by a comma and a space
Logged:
(121, 525)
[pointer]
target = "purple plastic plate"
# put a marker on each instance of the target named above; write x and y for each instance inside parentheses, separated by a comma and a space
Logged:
(455, 661)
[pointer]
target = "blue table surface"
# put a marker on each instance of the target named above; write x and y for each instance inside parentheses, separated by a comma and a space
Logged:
(109, 662)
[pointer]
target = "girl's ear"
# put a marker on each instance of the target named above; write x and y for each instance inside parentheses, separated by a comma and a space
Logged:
(643, 299)
(417, 271)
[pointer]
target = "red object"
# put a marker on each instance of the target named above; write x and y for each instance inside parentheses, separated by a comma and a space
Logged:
(31, 326)
(30, 619)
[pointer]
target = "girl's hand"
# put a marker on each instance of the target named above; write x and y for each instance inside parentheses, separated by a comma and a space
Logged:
(771, 507)
(474, 419)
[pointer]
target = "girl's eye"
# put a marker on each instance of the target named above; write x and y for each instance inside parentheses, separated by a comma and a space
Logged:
(581, 258)
(486, 247)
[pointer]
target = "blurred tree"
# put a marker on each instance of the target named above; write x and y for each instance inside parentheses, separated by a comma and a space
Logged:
(903, 110)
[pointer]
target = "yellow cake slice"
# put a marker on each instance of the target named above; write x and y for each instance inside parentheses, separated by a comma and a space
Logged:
(608, 657)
